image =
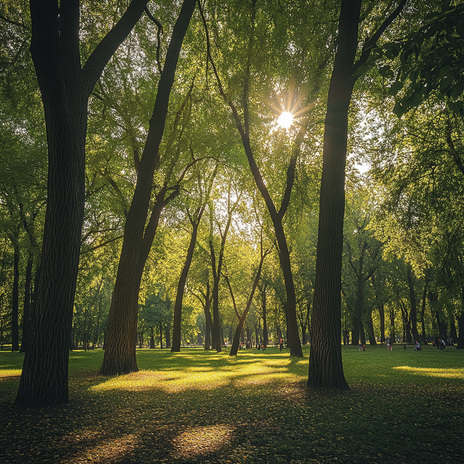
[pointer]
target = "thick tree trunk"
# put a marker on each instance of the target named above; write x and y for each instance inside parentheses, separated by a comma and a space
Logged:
(44, 380)
(65, 88)
(120, 344)
(325, 361)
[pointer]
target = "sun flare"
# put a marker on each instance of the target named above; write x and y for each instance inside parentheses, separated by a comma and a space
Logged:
(285, 120)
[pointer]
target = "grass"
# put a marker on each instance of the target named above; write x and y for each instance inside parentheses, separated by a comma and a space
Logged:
(203, 407)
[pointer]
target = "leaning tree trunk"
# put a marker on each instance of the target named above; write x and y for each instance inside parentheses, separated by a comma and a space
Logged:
(177, 323)
(121, 335)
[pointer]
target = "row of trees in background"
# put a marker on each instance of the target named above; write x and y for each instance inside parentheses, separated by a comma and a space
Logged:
(199, 209)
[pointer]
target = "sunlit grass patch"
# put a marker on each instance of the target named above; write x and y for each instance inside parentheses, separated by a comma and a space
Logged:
(198, 377)
(200, 441)
(107, 450)
(433, 372)
(9, 373)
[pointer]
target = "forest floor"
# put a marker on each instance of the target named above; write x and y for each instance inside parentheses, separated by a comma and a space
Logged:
(203, 407)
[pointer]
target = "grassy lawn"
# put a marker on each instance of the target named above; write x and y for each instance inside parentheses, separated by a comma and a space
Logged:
(203, 407)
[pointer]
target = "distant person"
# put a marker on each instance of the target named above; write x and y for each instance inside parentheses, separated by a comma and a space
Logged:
(418, 346)
(281, 344)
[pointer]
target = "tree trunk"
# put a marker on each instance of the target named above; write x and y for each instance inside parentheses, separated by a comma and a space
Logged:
(325, 361)
(460, 344)
(370, 329)
(208, 320)
(65, 88)
(413, 305)
(27, 303)
(264, 315)
(357, 326)
(120, 346)
(15, 302)
(177, 324)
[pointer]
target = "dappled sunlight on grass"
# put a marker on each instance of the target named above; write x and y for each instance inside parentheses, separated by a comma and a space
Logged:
(433, 372)
(105, 450)
(9, 373)
(200, 441)
(199, 377)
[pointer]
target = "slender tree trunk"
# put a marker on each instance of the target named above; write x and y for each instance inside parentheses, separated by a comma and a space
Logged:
(264, 315)
(370, 329)
(15, 302)
(357, 326)
(460, 344)
(208, 320)
(413, 306)
(27, 303)
(177, 324)
(120, 346)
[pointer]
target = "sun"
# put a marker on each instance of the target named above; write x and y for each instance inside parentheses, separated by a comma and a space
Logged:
(285, 120)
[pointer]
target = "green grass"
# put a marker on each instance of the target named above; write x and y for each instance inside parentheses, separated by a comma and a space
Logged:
(203, 407)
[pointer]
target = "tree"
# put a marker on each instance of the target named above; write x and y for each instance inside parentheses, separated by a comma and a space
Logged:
(325, 361)
(277, 214)
(65, 86)
(120, 343)
(238, 330)
(194, 219)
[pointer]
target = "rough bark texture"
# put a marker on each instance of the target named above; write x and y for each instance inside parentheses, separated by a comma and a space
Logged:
(121, 335)
(325, 361)
(65, 88)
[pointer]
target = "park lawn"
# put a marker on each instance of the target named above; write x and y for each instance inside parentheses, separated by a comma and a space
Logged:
(204, 407)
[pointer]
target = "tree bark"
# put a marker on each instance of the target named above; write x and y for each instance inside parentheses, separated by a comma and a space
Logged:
(325, 361)
(65, 88)
(120, 344)
(177, 324)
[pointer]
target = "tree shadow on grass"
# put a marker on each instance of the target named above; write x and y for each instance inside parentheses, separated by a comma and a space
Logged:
(240, 420)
